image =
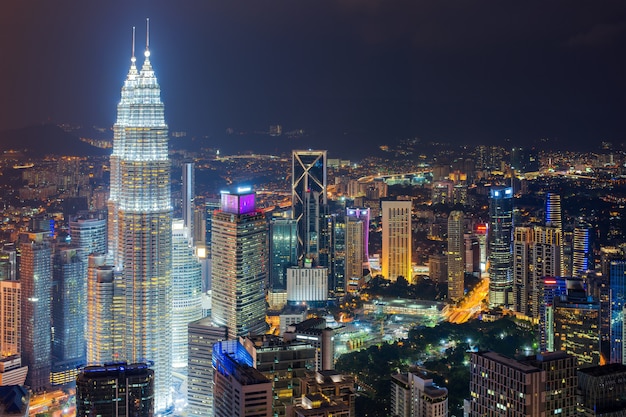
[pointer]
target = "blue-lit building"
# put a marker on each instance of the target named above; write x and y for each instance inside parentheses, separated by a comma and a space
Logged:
(69, 309)
(115, 390)
(36, 281)
(238, 387)
(500, 240)
(582, 250)
(283, 251)
(617, 278)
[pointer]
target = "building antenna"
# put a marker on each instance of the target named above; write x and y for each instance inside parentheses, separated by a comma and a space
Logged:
(132, 57)
(147, 33)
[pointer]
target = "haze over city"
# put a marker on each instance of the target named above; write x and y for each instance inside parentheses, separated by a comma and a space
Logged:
(465, 73)
(298, 209)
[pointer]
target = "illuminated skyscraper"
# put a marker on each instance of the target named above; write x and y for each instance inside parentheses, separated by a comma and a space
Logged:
(397, 240)
(456, 250)
(186, 291)
(188, 196)
(239, 250)
(553, 211)
(89, 232)
(582, 253)
(105, 306)
(308, 198)
(283, 251)
(36, 280)
(500, 235)
(68, 313)
(357, 241)
(140, 224)
(202, 336)
(116, 389)
(617, 278)
(10, 294)
(536, 255)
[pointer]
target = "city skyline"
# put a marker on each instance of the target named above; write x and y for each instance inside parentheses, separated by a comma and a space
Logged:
(461, 74)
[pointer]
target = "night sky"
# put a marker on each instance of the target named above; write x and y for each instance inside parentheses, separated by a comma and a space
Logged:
(456, 71)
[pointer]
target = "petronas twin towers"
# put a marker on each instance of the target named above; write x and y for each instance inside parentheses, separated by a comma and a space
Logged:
(140, 231)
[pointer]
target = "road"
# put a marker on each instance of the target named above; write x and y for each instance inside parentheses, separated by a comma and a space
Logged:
(471, 305)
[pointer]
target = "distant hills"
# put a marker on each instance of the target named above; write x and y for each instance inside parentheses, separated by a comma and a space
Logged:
(47, 139)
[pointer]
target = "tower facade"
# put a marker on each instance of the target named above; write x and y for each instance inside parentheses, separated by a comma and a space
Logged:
(617, 278)
(10, 308)
(239, 250)
(582, 251)
(456, 250)
(536, 255)
(308, 198)
(188, 196)
(89, 232)
(500, 235)
(357, 241)
(202, 336)
(186, 291)
(36, 280)
(116, 389)
(140, 224)
(397, 240)
(68, 313)
(283, 251)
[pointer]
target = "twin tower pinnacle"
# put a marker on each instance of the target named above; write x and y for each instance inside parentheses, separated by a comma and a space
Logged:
(139, 235)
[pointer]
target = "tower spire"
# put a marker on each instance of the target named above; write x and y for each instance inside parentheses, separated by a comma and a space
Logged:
(147, 53)
(132, 56)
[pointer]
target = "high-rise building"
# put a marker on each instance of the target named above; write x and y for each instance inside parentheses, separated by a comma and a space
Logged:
(400, 402)
(356, 242)
(239, 251)
(617, 279)
(115, 390)
(397, 240)
(554, 216)
(536, 255)
(456, 252)
(36, 281)
(10, 308)
(315, 332)
(308, 198)
(186, 291)
(202, 336)
(140, 224)
(500, 239)
(577, 327)
(239, 390)
(88, 231)
(105, 307)
(69, 307)
(283, 251)
(427, 399)
(283, 363)
(601, 390)
(538, 385)
(307, 285)
(582, 250)
(189, 191)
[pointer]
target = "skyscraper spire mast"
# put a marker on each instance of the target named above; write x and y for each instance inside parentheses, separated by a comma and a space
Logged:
(132, 56)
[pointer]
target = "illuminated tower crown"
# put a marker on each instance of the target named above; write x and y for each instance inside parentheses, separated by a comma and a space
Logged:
(140, 223)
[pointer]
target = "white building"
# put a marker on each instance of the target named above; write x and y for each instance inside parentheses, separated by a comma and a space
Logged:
(140, 225)
(186, 291)
(308, 285)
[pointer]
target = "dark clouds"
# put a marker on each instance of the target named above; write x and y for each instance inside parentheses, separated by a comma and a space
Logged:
(458, 70)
